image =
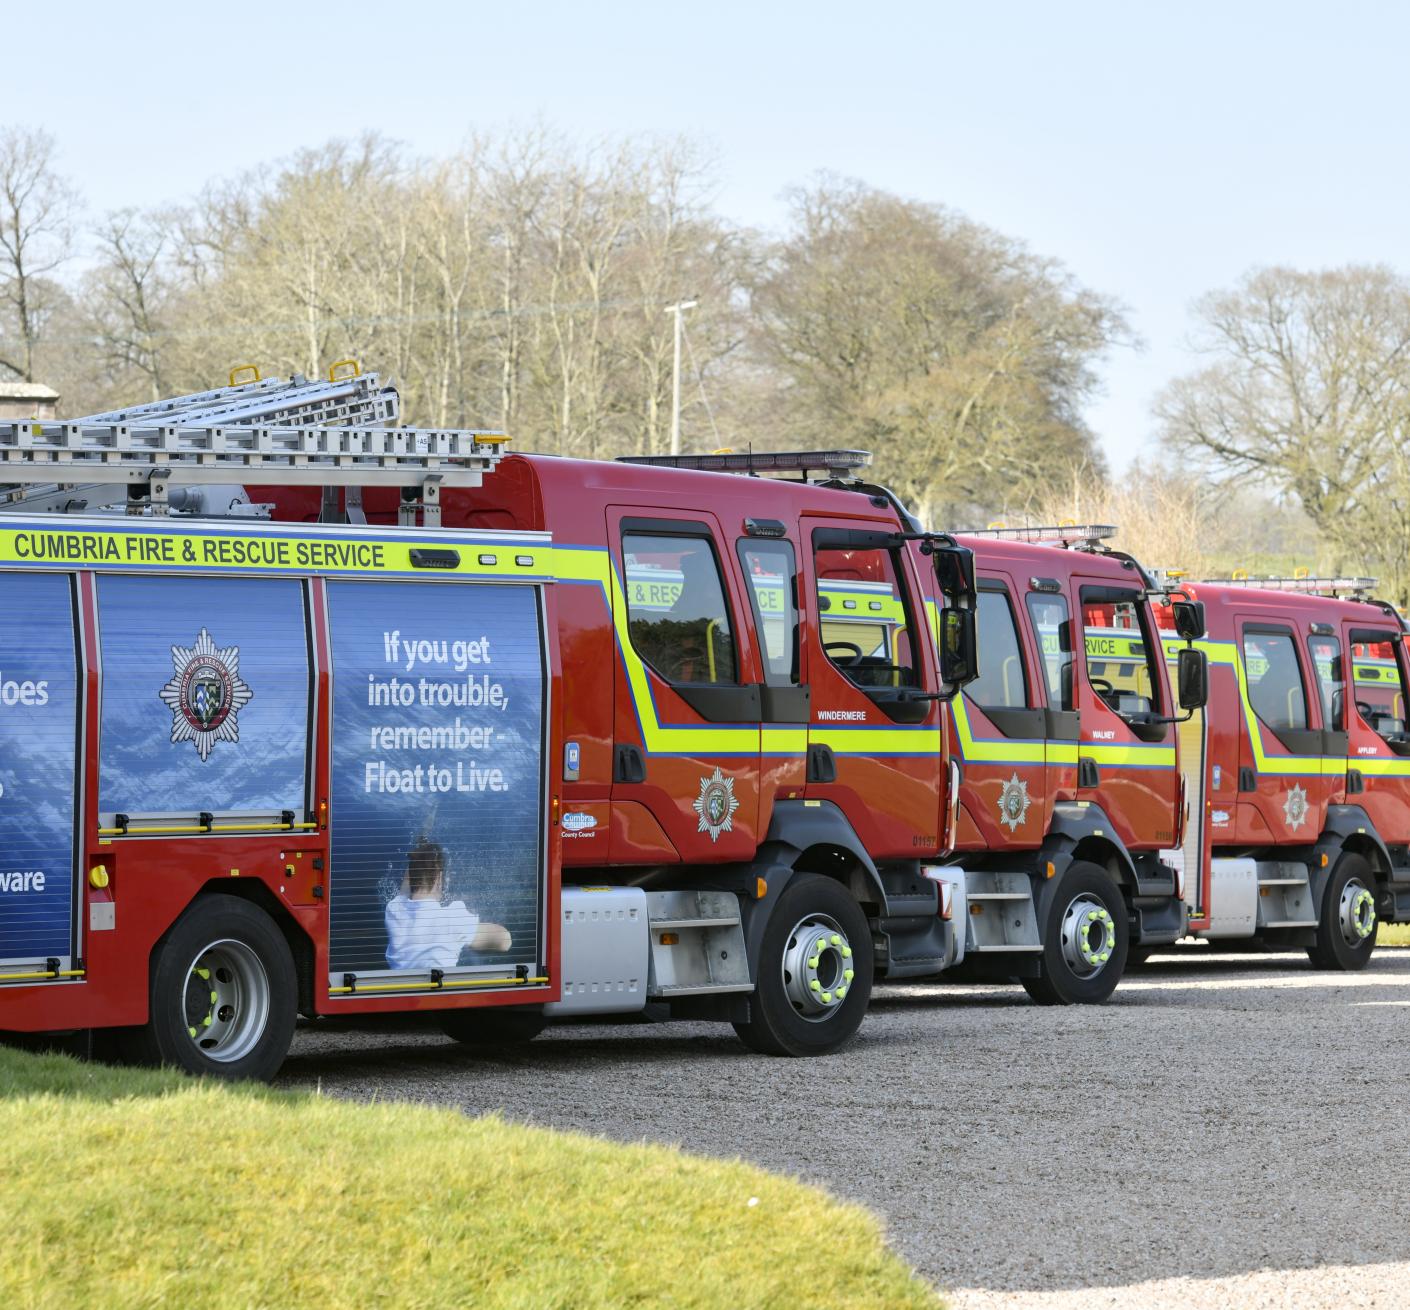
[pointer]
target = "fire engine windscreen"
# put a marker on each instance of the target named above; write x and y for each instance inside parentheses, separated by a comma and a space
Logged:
(437, 777)
(205, 702)
(38, 725)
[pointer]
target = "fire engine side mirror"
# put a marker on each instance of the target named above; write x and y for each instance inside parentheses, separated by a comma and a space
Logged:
(1192, 679)
(954, 570)
(959, 661)
(1189, 618)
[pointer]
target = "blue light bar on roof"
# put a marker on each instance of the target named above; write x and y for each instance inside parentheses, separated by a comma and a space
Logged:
(835, 463)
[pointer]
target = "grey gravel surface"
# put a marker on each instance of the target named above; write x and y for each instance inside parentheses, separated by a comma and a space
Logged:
(1227, 1131)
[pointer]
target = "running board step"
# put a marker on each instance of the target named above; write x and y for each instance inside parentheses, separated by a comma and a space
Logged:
(696, 944)
(995, 950)
(703, 989)
(670, 925)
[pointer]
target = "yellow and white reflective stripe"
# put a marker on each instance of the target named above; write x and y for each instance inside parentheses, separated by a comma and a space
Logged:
(979, 750)
(877, 741)
(986, 750)
(790, 740)
(163, 547)
(1283, 766)
(592, 565)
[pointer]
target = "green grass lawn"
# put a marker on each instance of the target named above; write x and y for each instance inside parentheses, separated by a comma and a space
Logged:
(1393, 934)
(132, 1188)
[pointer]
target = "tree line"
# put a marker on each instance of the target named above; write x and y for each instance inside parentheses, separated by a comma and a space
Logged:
(522, 284)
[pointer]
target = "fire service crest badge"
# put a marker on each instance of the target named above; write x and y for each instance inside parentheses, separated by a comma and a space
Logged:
(716, 805)
(205, 694)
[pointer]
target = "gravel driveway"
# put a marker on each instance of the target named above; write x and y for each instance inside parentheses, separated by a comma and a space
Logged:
(1226, 1132)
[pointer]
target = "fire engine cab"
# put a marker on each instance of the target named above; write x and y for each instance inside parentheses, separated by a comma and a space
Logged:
(448, 762)
(1300, 779)
(1067, 746)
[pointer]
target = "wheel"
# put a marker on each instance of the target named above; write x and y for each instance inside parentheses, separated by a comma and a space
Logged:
(1347, 925)
(1085, 937)
(224, 994)
(479, 1027)
(813, 974)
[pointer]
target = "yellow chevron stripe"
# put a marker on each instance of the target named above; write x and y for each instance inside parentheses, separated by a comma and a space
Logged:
(1280, 766)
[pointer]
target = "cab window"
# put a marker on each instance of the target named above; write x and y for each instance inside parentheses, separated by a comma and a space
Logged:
(863, 618)
(1331, 680)
(1379, 682)
(1275, 688)
(677, 618)
(770, 574)
(1119, 651)
(1053, 627)
(1001, 683)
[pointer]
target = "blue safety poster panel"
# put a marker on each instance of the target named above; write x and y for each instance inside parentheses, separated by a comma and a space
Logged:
(38, 767)
(437, 777)
(205, 696)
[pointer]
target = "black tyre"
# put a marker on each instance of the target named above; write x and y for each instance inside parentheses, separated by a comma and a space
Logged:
(813, 974)
(1085, 937)
(1347, 925)
(224, 994)
(493, 1027)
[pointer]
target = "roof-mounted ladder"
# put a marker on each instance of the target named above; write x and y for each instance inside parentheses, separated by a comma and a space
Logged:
(293, 432)
(356, 399)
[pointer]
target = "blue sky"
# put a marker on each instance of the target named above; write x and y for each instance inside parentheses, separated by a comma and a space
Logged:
(1158, 151)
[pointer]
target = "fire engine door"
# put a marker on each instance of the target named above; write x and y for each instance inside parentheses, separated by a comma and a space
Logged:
(685, 779)
(1283, 792)
(1374, 707)
(873, 745)
(1001, 729)
(1127, 756)
(39, 775)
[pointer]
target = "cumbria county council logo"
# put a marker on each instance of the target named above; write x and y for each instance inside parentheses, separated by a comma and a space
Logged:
(716, 805)
(1013, 803)
(1295, 807)
(205, 693)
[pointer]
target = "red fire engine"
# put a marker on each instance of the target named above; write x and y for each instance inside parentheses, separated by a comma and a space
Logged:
(254, 770)
(1070, 792)
(1300, 780)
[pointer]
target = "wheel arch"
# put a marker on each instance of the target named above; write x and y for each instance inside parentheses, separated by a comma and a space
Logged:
(254, 892)
(1349, 830)
(1085, 833)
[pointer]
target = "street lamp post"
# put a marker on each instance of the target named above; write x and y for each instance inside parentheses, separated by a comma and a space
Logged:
(677, 310)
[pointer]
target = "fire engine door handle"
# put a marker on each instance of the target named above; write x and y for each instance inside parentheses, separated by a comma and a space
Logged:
(1248, 779)
(1087, 775)
(822, 767)
(1355, 782)
(628, 765)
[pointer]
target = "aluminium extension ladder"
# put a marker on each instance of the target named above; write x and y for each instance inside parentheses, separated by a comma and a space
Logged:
(271, 432)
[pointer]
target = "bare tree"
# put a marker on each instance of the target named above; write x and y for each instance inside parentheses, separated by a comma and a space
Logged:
(961, 359)
(37, 206)
(128, 295)
(1308, 392)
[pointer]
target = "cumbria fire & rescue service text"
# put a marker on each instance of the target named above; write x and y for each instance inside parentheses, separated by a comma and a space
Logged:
(154, 548)
(419, 693)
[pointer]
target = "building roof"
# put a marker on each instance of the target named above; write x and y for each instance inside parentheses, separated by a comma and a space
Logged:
(27, 391)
